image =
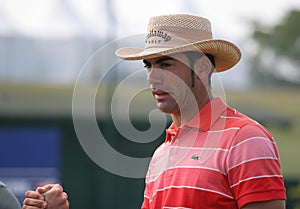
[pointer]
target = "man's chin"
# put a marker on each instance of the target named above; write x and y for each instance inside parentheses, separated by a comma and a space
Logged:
(166, 108)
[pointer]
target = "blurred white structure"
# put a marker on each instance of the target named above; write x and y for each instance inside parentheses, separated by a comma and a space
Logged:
(48, 42)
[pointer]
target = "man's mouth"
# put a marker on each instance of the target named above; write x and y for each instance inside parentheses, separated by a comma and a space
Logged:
(160, 94)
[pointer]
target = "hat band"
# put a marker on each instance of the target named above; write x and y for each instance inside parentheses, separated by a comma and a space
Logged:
(169, 37)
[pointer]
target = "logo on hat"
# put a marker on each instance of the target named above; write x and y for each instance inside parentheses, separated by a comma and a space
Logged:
(157, 33)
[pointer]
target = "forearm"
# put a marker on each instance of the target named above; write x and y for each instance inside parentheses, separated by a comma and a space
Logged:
(273, 204)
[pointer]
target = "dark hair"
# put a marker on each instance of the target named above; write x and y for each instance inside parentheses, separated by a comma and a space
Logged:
(193, 56)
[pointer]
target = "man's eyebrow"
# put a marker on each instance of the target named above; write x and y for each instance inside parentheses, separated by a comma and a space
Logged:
(165, 58)
(162, 59)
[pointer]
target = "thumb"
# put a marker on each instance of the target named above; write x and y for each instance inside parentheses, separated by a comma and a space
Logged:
(45, 188)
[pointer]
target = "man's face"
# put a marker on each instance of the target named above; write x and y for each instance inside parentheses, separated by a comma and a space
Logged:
(170, 81)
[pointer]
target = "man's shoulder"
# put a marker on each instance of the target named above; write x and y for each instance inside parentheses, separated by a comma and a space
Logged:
(246, 126)
(243, 122)
(234, 118)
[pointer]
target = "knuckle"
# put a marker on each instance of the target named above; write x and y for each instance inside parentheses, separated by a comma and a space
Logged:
(59, 186)
(28, 193)
(63, 200)
(57, 191)
(26, 201)
(65, 195)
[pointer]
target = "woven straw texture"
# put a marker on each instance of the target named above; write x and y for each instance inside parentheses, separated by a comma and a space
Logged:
(226, 54)
(182, 21)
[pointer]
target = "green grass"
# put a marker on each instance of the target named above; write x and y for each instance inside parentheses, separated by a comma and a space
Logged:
(284, 102)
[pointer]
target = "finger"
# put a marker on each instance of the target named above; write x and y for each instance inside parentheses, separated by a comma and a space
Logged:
(44, 188)
(58, 186)
(55, 191)
(29, 207)
(35, 203)
(65, 195)
(56, 198)
(33, 195)
(64, 203)
(68, 204)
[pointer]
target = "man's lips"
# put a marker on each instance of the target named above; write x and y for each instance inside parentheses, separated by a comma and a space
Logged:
(160, 94)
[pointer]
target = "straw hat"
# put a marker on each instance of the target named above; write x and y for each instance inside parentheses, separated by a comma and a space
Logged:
(168, 34)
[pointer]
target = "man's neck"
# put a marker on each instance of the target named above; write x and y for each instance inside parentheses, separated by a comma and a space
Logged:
(180, 119)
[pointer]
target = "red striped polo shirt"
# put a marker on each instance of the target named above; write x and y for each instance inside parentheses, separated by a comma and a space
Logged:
(220, 159)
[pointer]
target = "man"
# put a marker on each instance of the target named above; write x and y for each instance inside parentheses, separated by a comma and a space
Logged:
(213, 156)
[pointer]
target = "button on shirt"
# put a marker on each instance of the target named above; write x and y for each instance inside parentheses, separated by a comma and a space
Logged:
(220, 159)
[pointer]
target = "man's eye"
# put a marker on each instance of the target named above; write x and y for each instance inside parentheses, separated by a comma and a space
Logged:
(165, 65)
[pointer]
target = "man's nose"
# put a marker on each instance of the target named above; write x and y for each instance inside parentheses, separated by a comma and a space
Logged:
(154, 76)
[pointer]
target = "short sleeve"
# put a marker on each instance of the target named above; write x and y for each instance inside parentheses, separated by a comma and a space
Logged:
(253, 166)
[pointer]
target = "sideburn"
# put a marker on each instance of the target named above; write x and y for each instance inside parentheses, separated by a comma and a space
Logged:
(193, 77)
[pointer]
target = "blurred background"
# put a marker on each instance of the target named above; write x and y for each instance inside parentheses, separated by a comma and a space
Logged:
(44, 45)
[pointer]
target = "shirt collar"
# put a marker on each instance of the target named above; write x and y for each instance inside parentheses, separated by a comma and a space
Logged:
(208, 115)
(204, 120)
(171, 132)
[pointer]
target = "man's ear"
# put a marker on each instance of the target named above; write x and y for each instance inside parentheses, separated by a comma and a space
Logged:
(202, 67)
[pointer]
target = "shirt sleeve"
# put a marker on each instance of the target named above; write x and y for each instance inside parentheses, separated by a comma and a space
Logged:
(253, 166)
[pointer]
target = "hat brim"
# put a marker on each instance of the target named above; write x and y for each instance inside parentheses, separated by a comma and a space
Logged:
(225, 53)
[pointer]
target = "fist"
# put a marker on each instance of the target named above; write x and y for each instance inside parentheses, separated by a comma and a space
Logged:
(54, 196)
(50, 196)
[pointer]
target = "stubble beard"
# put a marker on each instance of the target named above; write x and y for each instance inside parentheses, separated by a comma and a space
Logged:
(168, 107)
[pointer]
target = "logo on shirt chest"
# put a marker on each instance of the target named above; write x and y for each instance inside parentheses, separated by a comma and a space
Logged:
(195, 156)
